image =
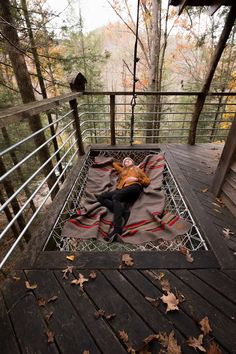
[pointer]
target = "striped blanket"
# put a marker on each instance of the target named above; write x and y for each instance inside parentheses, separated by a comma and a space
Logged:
(148, 221)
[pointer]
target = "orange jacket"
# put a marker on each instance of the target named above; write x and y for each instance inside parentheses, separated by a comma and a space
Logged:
(132, 171)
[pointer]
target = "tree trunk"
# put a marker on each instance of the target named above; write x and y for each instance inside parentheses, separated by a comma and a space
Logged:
(229, 23)
(41, 81)
(25, 86)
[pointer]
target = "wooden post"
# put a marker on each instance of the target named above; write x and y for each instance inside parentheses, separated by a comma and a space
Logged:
(229, 23)
(73, 106)
(112, 119)
(227, 155)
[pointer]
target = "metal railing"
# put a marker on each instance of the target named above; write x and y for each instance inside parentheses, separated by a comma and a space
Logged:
(32, 173)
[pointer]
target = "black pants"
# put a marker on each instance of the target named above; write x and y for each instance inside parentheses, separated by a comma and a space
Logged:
(118, 201)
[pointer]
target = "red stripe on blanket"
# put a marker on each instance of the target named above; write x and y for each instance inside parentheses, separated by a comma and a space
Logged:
(174, 221)
(79, 224)
(103, 168)
(137, 224)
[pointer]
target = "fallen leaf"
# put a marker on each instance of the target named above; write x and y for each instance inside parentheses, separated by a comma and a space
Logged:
(102, 313)
(48, 316)
(70, 258)
(180, 296)
(50, 336)
(227, 233)
(131, 350)
(86, 352)
(123, 336)
(213, 349)
(79, 281)
(41, 301)
(154, 302)
(173, 347)
(128, 260)
(196, 343)
(183, 250)
(205, 325)
(68, 270)
(159, 276)
(93, 275)
(171, 301)
(151, 338)
(29, 286)
(109, 316)
(165, 285)
(16, 278)
(163, 339)
(53, 298)
(189, 257)
(204, 190)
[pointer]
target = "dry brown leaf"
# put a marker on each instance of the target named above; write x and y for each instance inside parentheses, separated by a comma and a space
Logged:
(48, 316)
(213, 349)
(179, 296)
(154, 302)
(183, 250)
(159, 276)
(50, 336)
(227, 233)
(68, 270)
(151, 338)
(99, 313)
(205, 325)
(123, 336)
(79, 281)
(41, 301)
(86, 352)
(171, 301)
(30, 286)
(189, 257)
(204, 190)
(131, 350)
(196, 343)
(110, 316)
(53, 298)
(93, 275)
(165, 285)
(16, 278)
(128, 260)
(70, 258)
(163, 339)
(173, 347)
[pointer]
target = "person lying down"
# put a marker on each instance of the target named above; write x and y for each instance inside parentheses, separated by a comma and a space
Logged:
(125, 203)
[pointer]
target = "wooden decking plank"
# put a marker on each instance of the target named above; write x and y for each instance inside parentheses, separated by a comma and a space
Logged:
(107, 298)
(231, 274)
(220, 249)
(70, 332)
(112, 260)
(8, 341)
(223, 329)
(218, 281)
(206, 291)
(155, 317)
(26, 318)
(100, 329)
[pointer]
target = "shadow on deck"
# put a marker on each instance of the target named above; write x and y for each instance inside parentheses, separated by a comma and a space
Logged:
(58, 317)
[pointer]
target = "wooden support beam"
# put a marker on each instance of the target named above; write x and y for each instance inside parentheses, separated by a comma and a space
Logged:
(112, 119)
(228, 153)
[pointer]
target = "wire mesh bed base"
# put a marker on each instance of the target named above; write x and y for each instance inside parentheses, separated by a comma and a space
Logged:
(174, 203)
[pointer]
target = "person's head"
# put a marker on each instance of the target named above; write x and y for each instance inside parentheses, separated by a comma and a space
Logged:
(128, 162)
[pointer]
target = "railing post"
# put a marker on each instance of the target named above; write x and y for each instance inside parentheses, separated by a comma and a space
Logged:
(112, 119)
(74, 107)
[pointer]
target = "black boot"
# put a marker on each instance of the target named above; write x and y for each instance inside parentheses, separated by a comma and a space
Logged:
(116, 233)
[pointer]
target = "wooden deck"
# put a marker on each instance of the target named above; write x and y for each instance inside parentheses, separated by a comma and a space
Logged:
(59, 317)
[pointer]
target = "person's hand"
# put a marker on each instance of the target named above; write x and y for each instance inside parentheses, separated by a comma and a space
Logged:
(131, 179)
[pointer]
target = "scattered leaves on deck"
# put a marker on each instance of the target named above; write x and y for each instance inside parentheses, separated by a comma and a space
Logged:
(213, 349)
(196, 343)
(165, 285)
(30, 286)
(173, 347)
(41, 301)
(48, 316)
(101, 313)
(205, 325)
(16, 278)
(189, 257)
(154, 302)
(71, 258)
(93, 275)
(171, 301)
(80, 281)
(66, 271)
(50, 336)
(128, 260)
(167, 341)
(185, 251)
(123, 336)
(204, 190)
(151, 338)
(159, 275)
